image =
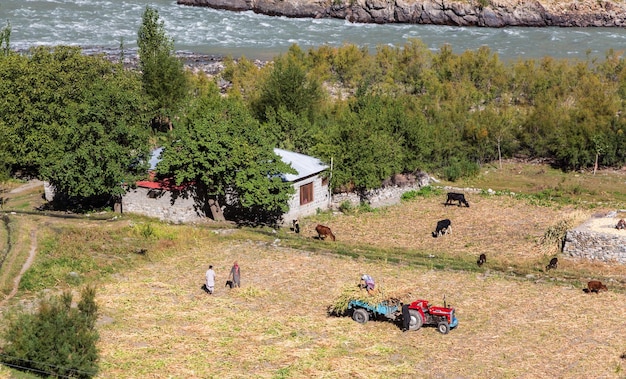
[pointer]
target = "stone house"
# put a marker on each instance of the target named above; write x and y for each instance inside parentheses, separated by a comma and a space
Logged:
(162, 199)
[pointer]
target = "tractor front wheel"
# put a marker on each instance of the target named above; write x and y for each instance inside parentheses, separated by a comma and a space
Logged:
(443, 327)
(416, 320)
(360, 315)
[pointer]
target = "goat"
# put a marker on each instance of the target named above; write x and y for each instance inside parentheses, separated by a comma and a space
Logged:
(481, 260)
(621, 224)
(296, 226)
(553, 263)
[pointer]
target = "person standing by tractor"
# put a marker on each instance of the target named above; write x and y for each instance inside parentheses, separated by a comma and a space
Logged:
(235, 273)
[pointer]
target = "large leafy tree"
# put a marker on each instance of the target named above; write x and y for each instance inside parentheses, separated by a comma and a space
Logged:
(76, 121)
(221, 149)
(163, 74)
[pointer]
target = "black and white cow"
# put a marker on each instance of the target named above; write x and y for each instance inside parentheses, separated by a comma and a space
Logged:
(443, 227)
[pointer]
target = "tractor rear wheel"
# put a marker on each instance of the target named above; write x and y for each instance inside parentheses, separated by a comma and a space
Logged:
(416, 320)
(443, 327)
(360, 315)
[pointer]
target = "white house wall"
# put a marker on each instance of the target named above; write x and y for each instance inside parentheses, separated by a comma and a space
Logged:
(320, 200)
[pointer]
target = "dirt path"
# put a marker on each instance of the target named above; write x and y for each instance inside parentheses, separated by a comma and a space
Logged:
(26, 266)
(28, 186)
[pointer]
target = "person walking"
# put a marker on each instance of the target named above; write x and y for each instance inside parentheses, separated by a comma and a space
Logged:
(235, 274)
(210, 280)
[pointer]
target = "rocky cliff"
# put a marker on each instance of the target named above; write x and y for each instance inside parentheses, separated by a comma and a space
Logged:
(486, 13)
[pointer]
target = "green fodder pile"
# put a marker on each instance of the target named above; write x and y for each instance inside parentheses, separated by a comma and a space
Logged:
(388, 296)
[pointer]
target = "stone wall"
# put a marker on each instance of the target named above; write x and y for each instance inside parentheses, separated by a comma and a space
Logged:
(597, 239)
(151, 203)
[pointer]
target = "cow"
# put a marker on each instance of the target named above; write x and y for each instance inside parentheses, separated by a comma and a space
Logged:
(595, 286)
(453, 196)
(443, 227)
(553, 263)
(621, 224)
(481, 260)
(323, 232)
(296, 226)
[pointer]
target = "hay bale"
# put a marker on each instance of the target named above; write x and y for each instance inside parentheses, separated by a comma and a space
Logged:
(391, 296)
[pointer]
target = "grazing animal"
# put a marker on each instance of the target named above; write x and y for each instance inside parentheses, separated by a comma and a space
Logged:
(323, 232)
(443, 227)
(296, 226)
(595, 286)
(621, 224)
(553, 263)
(229, 284)
(481, 260)
(453, 196)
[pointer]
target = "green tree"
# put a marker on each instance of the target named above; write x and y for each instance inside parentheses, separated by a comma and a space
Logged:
(220, 148)
(289, 86)
(74, 120)
(163, 75)
(57, 340)
(5, 39)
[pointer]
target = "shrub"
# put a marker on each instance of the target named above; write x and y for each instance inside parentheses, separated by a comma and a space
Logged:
(57, 340)
(426, 191)
(346, 206)
(458, 169)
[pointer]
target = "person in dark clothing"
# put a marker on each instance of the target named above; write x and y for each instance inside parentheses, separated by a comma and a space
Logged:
(406, 317)
(235, 275)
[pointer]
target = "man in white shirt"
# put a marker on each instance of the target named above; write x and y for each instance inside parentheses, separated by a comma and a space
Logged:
(210, 280)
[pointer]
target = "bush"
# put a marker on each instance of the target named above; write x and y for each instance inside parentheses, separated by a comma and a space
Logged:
(57, 340)
(458, 169)
(425, 192)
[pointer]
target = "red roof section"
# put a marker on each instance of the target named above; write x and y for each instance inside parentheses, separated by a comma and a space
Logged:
(167, 184)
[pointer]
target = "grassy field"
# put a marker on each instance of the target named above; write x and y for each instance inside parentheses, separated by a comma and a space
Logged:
(515, 319)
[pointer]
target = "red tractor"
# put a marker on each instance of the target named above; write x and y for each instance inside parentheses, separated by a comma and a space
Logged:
(424, 314)
(420, 312)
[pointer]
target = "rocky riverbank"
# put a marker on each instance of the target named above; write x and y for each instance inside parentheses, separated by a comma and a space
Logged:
(484, 13)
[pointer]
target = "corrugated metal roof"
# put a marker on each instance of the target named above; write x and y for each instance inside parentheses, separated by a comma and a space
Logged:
(304, 164)
(155, 158)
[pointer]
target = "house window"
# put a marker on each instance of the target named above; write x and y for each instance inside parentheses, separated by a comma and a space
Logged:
(306, 193)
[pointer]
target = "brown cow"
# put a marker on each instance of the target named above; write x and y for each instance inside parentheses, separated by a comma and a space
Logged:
(323, 232)
(596, 286)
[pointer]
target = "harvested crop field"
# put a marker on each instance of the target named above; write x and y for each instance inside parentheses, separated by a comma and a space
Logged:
(156, 322)
(276, 325)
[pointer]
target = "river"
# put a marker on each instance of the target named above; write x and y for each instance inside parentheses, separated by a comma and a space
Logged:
(105, 23)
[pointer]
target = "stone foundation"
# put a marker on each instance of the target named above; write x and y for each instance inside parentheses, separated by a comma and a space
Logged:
(597, 239)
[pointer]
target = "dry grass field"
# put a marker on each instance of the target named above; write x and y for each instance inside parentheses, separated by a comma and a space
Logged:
(156, 322)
